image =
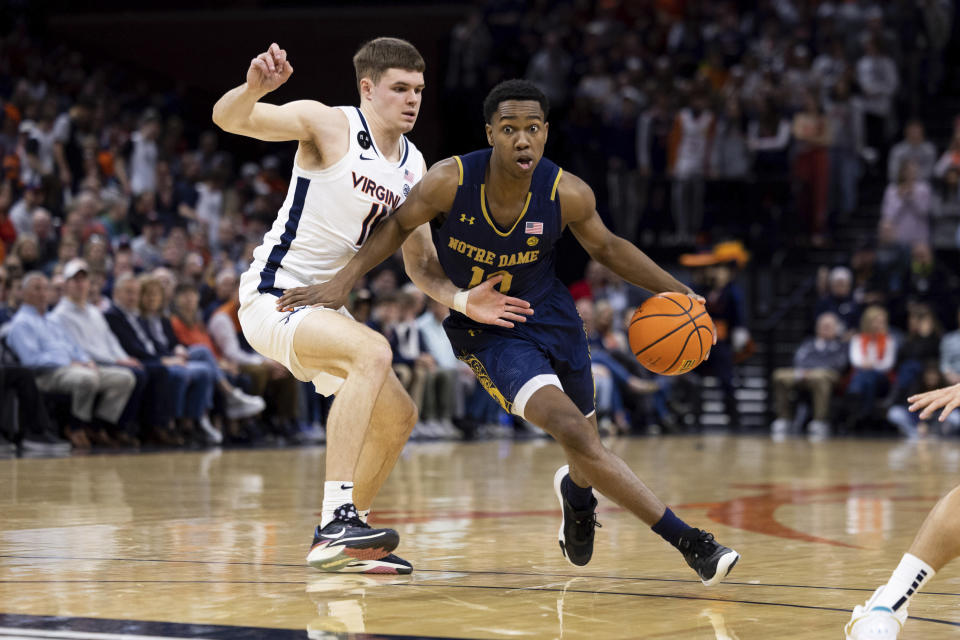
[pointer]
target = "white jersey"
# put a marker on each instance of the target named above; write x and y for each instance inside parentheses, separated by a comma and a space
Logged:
(328, 215)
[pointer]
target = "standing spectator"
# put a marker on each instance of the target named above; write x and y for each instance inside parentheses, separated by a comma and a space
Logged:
(87, 327)
(690, 141)
(878, 79)
(453, 381)
(143, 153)
(817, 367)
(653, 150)
(729, 166)
(768, 138)
(950, 160)
(844, 117)
(96, 391)
(811, 166)
(872, 353)
(549, 69)
(906, 206)
(914, 148)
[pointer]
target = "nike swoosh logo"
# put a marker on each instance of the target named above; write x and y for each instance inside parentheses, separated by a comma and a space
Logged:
(363, 157)
(335, 537)
(344, 487)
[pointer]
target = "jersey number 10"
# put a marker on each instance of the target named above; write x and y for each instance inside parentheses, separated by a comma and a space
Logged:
(377, 213)
(477, 278)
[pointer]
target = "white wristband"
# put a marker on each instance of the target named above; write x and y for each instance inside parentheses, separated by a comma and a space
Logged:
(460, 301)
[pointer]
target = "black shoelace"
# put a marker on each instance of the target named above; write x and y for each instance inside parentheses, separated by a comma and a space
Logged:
(702, 544)
(586, 524)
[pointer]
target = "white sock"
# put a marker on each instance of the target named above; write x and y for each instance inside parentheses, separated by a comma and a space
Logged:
(364, 515)
(335, 494)
(910, 575)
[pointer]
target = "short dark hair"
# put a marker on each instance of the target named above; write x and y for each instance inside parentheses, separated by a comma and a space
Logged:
(376, 56)
(513, 90)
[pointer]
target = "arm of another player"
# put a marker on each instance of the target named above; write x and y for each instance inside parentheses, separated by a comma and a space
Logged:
(483, 303)
(579, 208)
(433, 194)
(947, 398)
(240, 110)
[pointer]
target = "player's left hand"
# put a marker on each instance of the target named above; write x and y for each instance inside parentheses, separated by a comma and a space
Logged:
(699, 298)
(487, 305)
(331, 295)
(947, 398)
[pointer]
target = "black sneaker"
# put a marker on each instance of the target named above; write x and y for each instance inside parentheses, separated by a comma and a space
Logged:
(387, 565)
(347, 539)
(711, 560)
(576, 527)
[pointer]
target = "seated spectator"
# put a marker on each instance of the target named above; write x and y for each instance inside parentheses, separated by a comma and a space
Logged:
(268, 378)
(909, 423)
(61, 366)
(872, 353)
(920, 346)
(817, 367)
(950, 355)
(88, 328)
(31, 427)
(907, 204)
(913, 148)
(839, 300)
(147, 247)
(453, 381)
(179, 389)
(185, 334)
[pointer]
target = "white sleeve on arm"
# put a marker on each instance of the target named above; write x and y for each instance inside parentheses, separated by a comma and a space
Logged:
(225, 336)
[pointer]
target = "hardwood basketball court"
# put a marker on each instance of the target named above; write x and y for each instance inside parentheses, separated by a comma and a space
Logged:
(212, 544)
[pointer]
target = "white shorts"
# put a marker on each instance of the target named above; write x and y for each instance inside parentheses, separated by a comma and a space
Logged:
(270, 332)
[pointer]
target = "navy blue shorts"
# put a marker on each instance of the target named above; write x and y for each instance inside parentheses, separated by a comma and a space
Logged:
(511, 364)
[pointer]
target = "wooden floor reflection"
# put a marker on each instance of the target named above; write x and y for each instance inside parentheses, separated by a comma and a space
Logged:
(218, 538)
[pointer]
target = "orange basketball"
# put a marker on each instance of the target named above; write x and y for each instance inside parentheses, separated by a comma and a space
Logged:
(671, 333)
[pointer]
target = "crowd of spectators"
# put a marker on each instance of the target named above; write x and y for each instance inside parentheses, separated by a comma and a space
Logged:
(673, 111)
(124, 224)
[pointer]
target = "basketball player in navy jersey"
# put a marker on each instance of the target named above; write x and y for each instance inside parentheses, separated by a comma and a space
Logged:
(497, 214)
(353, 167)
(936, 544)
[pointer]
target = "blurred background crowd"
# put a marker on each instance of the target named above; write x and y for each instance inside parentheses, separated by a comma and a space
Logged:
(796, 161)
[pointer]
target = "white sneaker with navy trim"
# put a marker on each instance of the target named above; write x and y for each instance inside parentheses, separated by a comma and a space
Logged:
(870, 622)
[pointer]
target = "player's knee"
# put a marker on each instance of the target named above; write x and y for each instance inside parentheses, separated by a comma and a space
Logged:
(575, 433)
(373, 355)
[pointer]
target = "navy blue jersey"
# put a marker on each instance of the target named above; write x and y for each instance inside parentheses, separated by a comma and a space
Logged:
(472, 247)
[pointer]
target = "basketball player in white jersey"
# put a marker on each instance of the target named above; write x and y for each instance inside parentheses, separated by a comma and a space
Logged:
(353, 167)
(936, 544)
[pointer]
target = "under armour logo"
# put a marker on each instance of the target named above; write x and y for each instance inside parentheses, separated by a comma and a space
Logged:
(464, 218)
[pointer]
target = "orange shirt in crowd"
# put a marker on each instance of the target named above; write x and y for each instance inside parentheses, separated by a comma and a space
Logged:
(193, 334)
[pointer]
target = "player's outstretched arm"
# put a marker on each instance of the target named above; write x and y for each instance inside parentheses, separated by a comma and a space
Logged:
(240, 110)
(946, 398)
(482, 303)
(619, 255)
(433, 194)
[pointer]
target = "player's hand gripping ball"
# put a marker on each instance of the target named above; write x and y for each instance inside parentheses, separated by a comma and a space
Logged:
(671, 333)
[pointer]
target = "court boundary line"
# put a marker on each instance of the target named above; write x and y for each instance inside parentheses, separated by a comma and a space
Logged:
(467, 571)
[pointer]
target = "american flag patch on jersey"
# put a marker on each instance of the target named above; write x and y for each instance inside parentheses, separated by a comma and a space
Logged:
(408, 175)
(535, 228)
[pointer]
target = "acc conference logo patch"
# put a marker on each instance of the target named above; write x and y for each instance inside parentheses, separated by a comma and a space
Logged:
(532, 241)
